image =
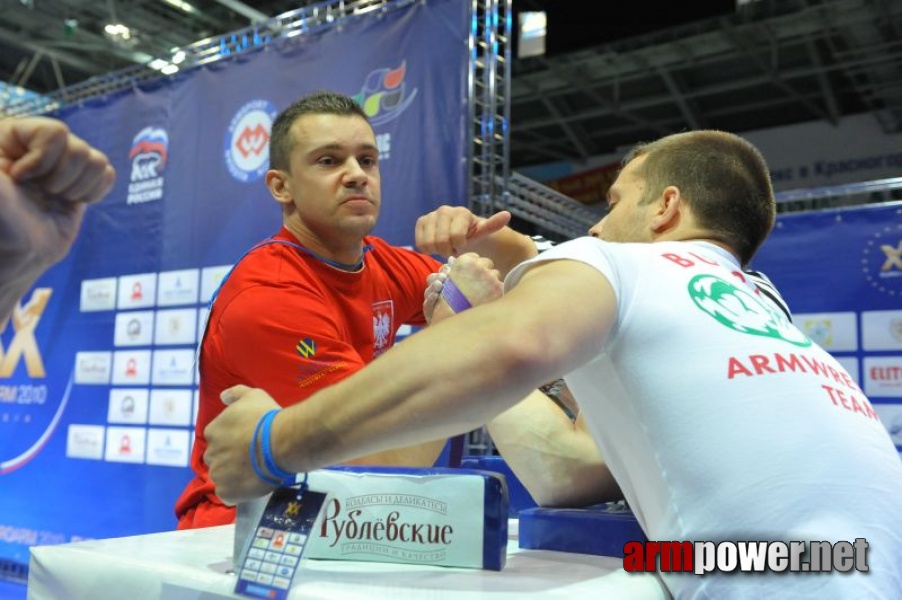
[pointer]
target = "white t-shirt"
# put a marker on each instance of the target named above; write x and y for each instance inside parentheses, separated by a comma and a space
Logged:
(722, 421)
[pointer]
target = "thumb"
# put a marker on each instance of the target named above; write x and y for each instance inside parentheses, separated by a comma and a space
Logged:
(234, 393)
(493, 223)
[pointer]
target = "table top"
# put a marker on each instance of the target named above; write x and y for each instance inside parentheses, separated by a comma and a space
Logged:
(196, 564)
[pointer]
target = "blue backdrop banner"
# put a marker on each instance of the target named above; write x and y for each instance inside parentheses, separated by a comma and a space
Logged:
(841, 273)
(98, 390)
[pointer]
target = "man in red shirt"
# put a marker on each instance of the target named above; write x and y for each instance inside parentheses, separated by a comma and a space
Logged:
(320, 299)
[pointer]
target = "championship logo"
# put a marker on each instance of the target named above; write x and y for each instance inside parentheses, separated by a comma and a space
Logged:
(23, 345)
(149, 153)
(247, 140)
(741, 311)
(28, 414)
(384, 95)
(819, 330)
(881, 261)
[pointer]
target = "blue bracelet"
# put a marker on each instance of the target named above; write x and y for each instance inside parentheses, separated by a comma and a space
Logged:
(285, 477)
(253, 453)
(454, 297)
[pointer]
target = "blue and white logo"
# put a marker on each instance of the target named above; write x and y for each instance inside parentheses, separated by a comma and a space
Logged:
(247, 140)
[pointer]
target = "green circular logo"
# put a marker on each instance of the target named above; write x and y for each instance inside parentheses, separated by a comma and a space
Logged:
(741, 311)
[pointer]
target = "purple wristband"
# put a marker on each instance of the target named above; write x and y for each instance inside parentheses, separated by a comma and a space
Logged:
(454, 297)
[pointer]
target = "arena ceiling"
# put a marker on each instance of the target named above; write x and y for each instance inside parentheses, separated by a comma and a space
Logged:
(608, 80)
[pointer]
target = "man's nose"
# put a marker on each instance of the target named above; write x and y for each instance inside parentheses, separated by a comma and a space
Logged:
(595, 230)
(354, 175)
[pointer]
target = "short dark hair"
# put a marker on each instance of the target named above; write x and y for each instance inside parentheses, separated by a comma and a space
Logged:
(724, 178)
(321, 102)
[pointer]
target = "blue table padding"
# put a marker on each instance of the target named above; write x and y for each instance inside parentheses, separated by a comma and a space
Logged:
(519, 496)
(602, 529)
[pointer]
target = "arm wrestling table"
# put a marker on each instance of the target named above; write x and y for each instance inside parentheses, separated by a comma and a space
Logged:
(195, 564)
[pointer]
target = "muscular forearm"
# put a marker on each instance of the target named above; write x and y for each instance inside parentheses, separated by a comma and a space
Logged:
(448, 379)
(455, 375)
(555, 459)
(417, 396)
(420, 455)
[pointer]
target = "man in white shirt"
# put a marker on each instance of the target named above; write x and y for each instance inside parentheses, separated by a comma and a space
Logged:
(718, 418)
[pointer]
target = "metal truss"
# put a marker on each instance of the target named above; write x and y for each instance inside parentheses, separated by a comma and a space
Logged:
(489, 107)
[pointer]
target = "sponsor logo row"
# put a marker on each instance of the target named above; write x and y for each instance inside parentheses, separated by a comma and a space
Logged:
(123, 441)
(145, 290)
(838, 331)
(136, 367)
(177, 326)
(152, 446)
(154, 406)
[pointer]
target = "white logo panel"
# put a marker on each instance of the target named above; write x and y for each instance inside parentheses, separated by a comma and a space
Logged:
(832, 331)
(131, 367)
(128, 405)
(881, 330)
(883, 376)
(93, 367)
(137, 291)
(85, 441)
(134, 328)
(98, 294)
(178, 287)
(170, 407)
(167, 447)
(176, 326)
(125, 444)
(173, 367)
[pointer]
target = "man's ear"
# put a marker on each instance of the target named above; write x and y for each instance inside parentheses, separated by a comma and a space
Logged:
(279, 186)
(668, 208)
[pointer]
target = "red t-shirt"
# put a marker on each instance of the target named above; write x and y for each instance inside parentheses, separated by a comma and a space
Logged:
(291, 324)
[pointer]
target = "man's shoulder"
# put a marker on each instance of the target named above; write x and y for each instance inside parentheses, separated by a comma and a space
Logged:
(383, 249)
(267, 271)
(376, 242)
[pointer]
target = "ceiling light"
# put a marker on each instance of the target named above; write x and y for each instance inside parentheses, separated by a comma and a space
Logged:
(141, 57)
(183, 6)
(118, 30)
